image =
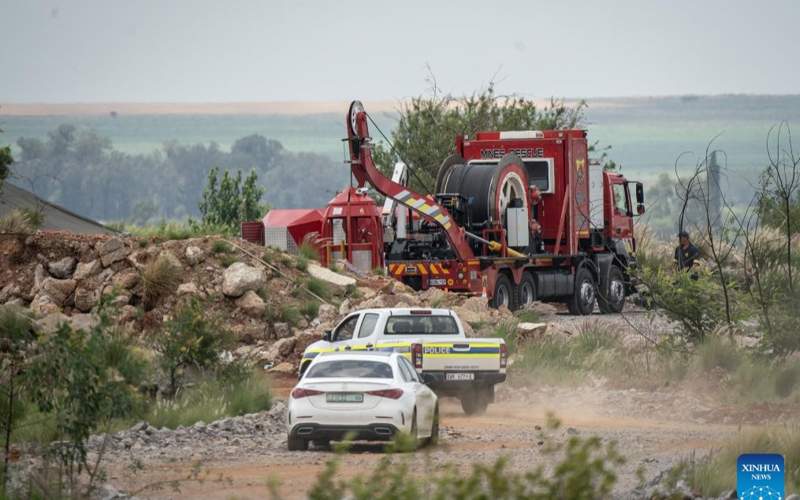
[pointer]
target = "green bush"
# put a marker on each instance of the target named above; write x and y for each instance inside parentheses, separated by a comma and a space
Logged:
(290, 314)
(308, 251)
(527, 316)
(694, 300)
(320, 288)
(584, 469)
(221, 247)
(190, 340)
(302, 264)
(310, 309)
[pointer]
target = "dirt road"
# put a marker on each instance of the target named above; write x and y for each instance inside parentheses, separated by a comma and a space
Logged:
(652, 429)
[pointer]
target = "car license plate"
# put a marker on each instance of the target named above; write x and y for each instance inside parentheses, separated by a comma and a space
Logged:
(437, 281)
(344, 397)
(459, 376)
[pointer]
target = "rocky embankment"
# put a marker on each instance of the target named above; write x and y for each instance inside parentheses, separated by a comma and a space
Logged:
(62, 277)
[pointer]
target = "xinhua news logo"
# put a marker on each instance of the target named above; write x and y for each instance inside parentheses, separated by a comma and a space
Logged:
(759, 476)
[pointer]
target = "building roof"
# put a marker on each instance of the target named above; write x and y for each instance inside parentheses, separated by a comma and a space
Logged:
(55, 217)
(284, 217)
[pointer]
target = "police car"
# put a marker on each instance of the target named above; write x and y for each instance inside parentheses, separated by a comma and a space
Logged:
(370, 396)
(433, 341)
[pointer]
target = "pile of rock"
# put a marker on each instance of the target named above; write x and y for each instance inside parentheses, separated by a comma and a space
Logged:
(223, 438)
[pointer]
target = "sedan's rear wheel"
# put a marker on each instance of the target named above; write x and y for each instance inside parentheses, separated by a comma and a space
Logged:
(434, 439)
(297, 443)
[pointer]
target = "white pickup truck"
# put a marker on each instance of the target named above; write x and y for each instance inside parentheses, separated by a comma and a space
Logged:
(433, 340)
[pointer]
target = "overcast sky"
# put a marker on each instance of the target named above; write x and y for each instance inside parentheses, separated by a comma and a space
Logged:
(237, 50)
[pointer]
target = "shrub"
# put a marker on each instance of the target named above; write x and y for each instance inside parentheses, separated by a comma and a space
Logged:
(248, 395)
(319, 288)
(310, 309)
(160, 278)
(527, 316)
(302, 264)
(694, 300)
(17, 222)
(221, 247)
(308, 251)
(190, 340)
(585, 470)
(290, 314)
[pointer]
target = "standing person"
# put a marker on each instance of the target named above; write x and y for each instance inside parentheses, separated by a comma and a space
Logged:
(685, 253)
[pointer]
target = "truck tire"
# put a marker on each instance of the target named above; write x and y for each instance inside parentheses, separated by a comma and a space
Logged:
(297, 443)
(476, 401)
(525, 291)
(503, 293)
(584, 293)
(611, 298)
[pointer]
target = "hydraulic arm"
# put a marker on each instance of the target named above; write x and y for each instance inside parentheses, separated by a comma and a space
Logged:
(364, 170)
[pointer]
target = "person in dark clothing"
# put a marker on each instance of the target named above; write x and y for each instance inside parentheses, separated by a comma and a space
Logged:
(685, 253)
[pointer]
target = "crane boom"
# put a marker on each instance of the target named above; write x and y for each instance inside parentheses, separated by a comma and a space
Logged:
(364, 170)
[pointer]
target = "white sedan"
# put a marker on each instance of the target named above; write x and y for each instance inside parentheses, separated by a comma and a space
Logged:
(364, 396)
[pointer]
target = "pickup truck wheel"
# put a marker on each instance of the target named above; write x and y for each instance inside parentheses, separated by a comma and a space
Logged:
(297, 443)
(612, 298)
(526, 291)
(583, 296)
(475, 402)
(503, 293)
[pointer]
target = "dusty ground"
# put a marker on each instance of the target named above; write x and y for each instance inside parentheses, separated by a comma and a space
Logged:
(652, 429)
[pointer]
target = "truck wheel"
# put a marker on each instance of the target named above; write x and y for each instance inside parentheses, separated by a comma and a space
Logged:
(526, 291)
(612, 298)
(475, 402)
(297, 443)
(583, 296)
(503, 293)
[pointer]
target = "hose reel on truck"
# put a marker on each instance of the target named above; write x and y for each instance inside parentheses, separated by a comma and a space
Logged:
(483, 196)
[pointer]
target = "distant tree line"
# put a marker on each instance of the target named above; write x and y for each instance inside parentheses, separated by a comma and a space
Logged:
(80, 170)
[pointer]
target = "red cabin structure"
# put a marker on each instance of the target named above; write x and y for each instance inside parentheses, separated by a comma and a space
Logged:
(352, 230)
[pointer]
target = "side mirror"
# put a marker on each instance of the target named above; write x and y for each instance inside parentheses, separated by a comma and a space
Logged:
(640, 209)
(639, 196)
(327, 336)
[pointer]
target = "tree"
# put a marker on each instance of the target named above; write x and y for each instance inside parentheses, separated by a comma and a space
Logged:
(190, 340)
(426, 131)
(5, 163)
(782, 183)
(16, 338)
(228, 201)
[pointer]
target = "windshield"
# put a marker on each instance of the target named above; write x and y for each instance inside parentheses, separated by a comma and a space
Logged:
(421, 325)
(350, 368)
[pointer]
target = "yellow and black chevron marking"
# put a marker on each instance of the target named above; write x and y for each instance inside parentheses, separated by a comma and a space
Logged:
(425, 206)
(418, 268)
